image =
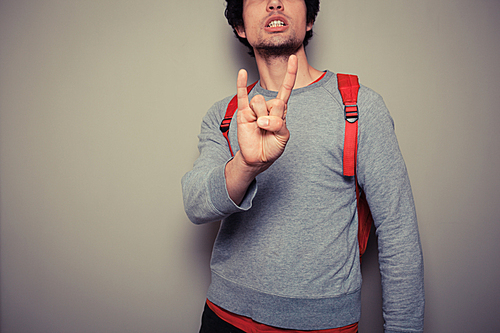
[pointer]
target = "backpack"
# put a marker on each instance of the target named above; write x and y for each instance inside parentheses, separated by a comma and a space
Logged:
(348, 86)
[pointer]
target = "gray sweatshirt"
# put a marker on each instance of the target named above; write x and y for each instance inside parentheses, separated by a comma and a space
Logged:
(288, 256)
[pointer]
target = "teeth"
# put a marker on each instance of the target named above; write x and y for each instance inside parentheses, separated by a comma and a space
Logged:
(276, 23)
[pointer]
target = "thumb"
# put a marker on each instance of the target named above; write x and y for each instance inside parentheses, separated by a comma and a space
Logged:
(271, 124)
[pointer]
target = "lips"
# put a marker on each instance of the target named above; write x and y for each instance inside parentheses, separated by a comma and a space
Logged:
(276, 23)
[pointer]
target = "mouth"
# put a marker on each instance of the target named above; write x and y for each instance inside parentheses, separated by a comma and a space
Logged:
(276, 23)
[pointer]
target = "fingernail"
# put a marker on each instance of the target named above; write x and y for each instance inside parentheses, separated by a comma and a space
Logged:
(263, 122)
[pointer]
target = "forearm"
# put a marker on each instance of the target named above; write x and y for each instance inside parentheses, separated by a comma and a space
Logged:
(206, 198)
(204, 187)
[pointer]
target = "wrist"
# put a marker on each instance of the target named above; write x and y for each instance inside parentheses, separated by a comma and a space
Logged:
(239, 175)
(243, 171)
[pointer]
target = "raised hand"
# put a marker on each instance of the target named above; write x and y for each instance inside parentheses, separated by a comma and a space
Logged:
(262, 131)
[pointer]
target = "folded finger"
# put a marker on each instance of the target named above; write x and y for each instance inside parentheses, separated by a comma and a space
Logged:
(259, 106)
(277, 108)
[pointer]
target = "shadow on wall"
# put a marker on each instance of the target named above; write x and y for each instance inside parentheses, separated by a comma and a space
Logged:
(371, 290)
(202, 239)
(243, 60)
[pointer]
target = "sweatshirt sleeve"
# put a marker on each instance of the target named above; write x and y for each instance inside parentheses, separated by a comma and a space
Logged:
(383, 176)
(204, 187)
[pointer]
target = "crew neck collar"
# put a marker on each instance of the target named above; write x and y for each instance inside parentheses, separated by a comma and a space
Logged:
(315, 84)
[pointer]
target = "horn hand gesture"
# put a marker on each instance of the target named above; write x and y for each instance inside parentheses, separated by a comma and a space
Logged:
(262, 131)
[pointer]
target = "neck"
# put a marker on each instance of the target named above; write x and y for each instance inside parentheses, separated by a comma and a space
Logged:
(272, 70)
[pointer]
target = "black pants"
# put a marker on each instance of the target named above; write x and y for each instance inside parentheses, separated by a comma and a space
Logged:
(211, 323)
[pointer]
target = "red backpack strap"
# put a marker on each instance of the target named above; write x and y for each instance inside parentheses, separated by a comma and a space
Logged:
(231, 109)
(349, 88)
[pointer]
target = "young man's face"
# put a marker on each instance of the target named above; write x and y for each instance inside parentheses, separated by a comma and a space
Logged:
(274, 26)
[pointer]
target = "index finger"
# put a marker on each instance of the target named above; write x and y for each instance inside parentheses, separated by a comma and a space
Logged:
(289, 80)
(241, 90)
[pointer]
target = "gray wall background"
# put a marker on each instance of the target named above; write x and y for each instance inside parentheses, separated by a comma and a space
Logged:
(100, 106)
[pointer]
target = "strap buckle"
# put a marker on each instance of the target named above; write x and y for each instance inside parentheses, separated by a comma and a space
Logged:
(224, 126)
(351, 113)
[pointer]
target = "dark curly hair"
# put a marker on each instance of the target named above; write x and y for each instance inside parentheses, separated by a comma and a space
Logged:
(234, 16)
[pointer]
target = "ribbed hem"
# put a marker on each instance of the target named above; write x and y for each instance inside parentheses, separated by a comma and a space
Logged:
(285, 312)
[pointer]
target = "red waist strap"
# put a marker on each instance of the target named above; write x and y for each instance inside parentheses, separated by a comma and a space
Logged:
(248, 325)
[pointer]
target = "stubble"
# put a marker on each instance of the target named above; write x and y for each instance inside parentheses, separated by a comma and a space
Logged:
(272, 50)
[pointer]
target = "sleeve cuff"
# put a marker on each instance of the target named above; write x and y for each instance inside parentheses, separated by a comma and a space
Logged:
(219, 196)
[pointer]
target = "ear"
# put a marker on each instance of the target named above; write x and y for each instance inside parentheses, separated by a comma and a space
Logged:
(309, 26)
(241, 31)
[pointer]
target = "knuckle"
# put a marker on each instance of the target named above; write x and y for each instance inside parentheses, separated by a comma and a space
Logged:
(277, 123)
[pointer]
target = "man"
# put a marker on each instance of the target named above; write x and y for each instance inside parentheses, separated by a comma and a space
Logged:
(286, 258)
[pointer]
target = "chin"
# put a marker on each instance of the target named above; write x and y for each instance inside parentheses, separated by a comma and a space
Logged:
(278, 48)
